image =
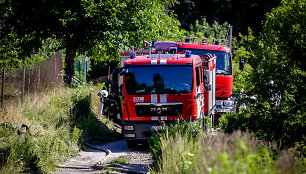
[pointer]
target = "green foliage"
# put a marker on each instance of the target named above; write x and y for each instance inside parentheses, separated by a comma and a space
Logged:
(188, 129)
(100, 67)
(279, 72)
(49, 47)
(241, 79)
(231, 122)
(96, 27)
(276, 78)
(81, 105)
(83, 118)
(9, 51)
(57, 123)
(133, 22)
(239, 13)
(213, 153)
(203, 29)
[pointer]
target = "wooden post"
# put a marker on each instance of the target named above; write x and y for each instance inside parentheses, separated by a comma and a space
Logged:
(29, 82)
(2, 88)
(23, 84)
(55, 74)
(38, 79)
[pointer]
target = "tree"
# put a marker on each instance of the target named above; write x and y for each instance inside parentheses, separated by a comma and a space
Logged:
(137, 21)
(89, 25)
(239, 13)
(9, 51)
(203, 29)
(279, 76)
(111, 25)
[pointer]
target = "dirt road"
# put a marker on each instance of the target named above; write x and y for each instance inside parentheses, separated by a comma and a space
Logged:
(119, 160)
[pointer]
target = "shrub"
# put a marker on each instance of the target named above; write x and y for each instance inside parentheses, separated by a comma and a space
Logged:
(56, 124)
(167, 136)
(214, 153)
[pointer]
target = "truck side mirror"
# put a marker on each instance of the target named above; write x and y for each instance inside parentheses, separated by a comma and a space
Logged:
(123, 72)
(241, 64)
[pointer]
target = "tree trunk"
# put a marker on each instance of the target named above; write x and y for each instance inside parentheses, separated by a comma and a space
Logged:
(69, 64)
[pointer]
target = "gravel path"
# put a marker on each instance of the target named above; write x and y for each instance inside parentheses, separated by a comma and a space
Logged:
(93, 161)
(82, 163)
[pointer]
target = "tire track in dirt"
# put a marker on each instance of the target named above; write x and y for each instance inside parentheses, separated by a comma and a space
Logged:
(93, 160)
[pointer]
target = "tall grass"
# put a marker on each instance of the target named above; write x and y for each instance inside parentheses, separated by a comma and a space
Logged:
(49, 128)
(217, 152)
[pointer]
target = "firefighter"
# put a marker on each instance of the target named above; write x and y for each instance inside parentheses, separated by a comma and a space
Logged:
(113, 105)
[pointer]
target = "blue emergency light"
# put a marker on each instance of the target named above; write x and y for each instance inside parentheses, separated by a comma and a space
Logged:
(132, 55)
(188, 54)
(217, 43)
(187, 40)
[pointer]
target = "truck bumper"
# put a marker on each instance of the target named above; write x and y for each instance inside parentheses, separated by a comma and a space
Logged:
(141, 130)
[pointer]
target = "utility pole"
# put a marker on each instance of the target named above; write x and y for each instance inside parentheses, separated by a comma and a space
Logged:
(230, 28)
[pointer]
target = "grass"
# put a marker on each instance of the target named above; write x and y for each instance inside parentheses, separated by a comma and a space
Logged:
(177, 150)
(117, 162)
(49, 128)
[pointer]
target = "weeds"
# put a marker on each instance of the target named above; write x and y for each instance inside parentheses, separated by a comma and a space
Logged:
(117, 162)
(55, 124)
(177, 151)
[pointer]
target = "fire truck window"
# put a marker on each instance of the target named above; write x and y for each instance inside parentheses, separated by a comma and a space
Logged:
(198, 76)
(224, 62)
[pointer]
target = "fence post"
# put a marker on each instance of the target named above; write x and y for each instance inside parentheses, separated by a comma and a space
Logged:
(2, 88)
(55, 75)
(23, 84)
(38, 78)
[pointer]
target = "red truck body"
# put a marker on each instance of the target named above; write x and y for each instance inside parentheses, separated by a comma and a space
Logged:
(165, 87)
(224, 71)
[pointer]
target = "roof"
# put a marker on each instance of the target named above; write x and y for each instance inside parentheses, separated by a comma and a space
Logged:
(160, 59)
(167, 45)
(203, 46)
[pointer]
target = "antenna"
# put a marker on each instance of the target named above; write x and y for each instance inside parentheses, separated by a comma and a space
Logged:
(229, 36)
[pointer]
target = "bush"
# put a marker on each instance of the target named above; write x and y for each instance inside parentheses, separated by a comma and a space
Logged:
(81, 101)
(54, 125)
(189, 129)
(213, 153)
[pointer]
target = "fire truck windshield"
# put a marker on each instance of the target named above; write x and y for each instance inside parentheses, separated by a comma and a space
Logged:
(159, 79)
(224, 63)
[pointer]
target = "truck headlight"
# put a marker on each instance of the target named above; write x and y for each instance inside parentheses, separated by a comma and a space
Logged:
(219, 102)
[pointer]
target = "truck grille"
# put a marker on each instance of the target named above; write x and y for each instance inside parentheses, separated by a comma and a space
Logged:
(153, 109)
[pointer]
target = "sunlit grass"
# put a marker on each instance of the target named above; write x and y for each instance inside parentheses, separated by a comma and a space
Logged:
(179, 151)
(48, 128)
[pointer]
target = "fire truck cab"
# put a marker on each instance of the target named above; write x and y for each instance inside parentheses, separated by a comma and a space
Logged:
(165, 87)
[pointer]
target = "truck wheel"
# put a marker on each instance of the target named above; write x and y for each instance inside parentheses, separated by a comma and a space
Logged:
(131, 144)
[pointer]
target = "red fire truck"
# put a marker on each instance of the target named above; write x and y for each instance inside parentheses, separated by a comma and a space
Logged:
(221, 48)
(165, 87)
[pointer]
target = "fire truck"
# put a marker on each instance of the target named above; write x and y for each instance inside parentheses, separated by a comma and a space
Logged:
(221, 48)
(165, 87)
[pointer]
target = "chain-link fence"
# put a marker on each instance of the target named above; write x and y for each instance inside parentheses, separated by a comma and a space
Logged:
(17, 83)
